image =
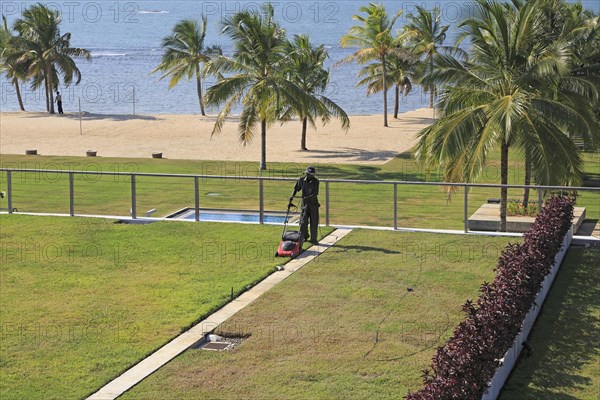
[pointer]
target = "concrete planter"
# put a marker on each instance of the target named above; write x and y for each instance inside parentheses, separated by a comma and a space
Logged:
(512, 355)
(487, 218)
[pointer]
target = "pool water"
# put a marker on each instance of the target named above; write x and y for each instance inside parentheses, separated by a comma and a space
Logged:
(232, 217)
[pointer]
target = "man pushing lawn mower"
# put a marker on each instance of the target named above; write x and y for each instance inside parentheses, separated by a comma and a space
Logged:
(291, 241)
(308, 186)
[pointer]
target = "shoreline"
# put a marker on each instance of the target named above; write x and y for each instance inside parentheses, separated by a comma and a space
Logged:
(188, 136)
(72, 114)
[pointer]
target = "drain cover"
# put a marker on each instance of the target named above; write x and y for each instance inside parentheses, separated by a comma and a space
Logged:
(216, 346)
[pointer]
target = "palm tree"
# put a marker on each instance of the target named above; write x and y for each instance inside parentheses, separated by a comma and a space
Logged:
(10, 53)
(582, 29)
(304, 68)
(185, 53)
(402, 69)
(48, 53)
(497, 99)
(428, 35)
(258, 78)
(572, 24)
(374, 37)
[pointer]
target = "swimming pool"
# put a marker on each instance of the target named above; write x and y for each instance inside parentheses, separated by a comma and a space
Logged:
(229, 216)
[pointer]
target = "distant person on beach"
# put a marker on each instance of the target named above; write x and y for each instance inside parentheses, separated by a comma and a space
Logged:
(59, 102)
(308, 185)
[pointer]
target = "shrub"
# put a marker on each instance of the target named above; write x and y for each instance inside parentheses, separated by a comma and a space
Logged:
(518, 209)
(462, 368)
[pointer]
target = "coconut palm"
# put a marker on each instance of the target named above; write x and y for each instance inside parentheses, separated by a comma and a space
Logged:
(572, 24)
(402, 70)
(10, 52)
(582, 29)
(48, 53)
(375, 39)
(304, 67)
(257, 81)
(185, 55)
(428, 35)
(497, 100)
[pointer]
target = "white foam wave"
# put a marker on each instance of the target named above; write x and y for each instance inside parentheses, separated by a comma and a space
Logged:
(152, 12)
(108, 54)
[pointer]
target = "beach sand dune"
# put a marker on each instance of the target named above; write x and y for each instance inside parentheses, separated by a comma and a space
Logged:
(189, 137)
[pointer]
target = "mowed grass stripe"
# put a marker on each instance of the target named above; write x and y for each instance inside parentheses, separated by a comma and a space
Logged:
(361, 321)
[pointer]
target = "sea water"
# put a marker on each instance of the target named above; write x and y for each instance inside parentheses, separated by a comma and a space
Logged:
(125, 40)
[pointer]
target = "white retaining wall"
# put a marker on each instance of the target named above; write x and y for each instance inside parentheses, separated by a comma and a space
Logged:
(511, 356)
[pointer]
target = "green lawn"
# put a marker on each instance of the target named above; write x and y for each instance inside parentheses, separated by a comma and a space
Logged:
(350, 204)
(84, 299)
(565, 364)
(360, 322)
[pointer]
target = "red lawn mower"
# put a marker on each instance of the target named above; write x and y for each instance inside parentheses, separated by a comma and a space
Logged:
(291, 241)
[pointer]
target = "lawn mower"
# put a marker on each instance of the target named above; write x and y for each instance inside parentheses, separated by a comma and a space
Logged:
(291, 241)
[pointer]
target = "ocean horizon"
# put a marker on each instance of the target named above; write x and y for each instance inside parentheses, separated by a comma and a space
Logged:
(125, 36)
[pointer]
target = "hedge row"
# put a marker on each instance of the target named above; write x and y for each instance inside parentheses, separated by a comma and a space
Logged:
(462, 368)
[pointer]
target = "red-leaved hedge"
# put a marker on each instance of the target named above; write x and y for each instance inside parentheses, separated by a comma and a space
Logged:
(462, 368)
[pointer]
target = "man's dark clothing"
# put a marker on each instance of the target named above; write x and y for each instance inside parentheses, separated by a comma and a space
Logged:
(308, 186)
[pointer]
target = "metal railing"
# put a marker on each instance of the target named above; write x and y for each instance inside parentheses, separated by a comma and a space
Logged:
(467, 189)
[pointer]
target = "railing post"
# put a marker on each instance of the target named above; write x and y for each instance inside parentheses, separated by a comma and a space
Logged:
(133, 198)
(395, 206)
(72, 194)
(197, 197)
(261, 201)
(540, 200)
(9, 191)
(327, 203)
(466, 209)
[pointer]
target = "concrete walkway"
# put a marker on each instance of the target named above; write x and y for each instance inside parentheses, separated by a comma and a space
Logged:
(147, 366)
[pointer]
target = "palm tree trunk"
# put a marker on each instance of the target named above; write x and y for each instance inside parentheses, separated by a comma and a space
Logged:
(51, 102)
(47, 94)
(50, 89)
(18, 90)
(432, 87)
(527, 179)
(263, 144)
(397, 101)
(503, 181)
(385, 101)
(199, 89)
(303, 141)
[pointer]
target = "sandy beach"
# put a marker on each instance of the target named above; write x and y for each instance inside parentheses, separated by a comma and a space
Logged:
(189, 137)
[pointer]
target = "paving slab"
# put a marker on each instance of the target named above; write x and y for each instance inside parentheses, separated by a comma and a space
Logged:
(187, 339)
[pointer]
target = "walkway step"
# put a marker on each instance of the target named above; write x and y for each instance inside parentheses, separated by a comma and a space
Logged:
(160, 357)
